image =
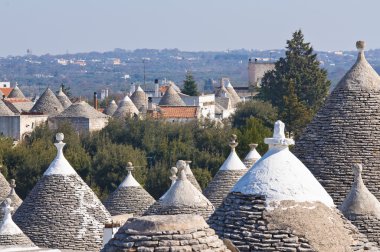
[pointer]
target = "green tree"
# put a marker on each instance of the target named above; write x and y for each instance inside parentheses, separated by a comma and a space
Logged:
(254, 109)
(295, 113)
(301, 66)
(189, 85)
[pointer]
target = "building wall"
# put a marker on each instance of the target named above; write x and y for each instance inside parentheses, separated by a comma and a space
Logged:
(29, 122)
(97, 124)
(10, 126)
(206, 103)
(256, 71)
(18, 126)
(80, 124)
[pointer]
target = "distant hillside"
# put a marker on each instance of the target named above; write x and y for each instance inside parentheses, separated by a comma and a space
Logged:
(85, 73)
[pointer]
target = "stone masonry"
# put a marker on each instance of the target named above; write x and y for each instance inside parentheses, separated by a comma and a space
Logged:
(243, 220)
(62, 212)
(181, 233)
(129, 200)
(221, 185)
(346, 131)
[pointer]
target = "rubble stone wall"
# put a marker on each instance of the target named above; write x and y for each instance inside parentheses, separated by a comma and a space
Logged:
(129, 200)
(201, 239)
(370, 226)
(344, 131)
(242, 220)
(221, 184)
(15, 240)
(63, 212)
(159, 209)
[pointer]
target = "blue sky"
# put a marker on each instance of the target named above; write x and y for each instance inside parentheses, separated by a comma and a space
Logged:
(52, 26)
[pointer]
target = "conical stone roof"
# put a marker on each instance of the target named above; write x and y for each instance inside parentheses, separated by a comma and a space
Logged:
(280, 205)
(16, 93)
(182, 198)
(11, 235)
(345, 131)
(81, 109)
(252, 156)
(227, 176)
(47, 104)
(62, 211)
(15, 199)
(166, 233)
(140, 99)
(63, 99)
(112, 107)
(4, 187)
(129, 198)
(4, 110)
(190, 176)
(362, 208)
(222, 92)
(171, 98)
(235, 97)
(126, 108)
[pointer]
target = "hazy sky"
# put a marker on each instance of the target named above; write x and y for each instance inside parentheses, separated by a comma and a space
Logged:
(52, 26)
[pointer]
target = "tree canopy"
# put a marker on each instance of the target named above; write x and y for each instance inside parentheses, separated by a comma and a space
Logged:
(189, 85)
(297, 86)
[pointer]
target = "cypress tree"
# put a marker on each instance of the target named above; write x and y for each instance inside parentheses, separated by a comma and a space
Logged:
(298, 72)
(189, 86)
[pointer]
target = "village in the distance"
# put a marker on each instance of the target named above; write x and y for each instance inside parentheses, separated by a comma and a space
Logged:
(163, 150)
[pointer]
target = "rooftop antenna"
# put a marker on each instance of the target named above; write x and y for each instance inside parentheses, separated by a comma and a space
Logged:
(144, 73)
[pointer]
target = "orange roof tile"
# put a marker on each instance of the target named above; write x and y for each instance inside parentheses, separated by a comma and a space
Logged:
(6, 91)
(14, 100)
(178, 112)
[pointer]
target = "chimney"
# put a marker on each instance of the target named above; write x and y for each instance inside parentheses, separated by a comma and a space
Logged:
(156, 88)
(95, 101)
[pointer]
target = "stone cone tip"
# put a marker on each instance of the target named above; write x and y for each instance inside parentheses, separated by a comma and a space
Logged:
(181, 166)
(360, 45)
(233, 143)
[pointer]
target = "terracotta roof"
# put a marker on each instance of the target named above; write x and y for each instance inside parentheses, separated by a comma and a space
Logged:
(178, 112)
(16, 93)
(6, 91)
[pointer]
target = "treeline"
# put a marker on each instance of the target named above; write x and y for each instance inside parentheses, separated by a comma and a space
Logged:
(152, 146)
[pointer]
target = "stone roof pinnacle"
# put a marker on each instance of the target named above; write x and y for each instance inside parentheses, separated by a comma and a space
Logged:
(173, 176)
(129, 180)
(360, 201)
(60, 165)
(233, 143)
(7, 226)
(279, 138)
(181, 166)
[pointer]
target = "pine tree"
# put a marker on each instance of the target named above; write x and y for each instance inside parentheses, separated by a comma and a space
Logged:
(189, 86)
(295, 114)
(300, 66)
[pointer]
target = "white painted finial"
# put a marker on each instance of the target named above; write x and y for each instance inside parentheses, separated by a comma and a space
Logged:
(253, 146)
(7, 226)
(129, 167)
(360, 45)
(233, 143)
(60, 166)
(173, 176)
(12, 184)
(7, 209)
(59, 137)
(279, 130)
(279, 138)
(129, 180)
(357, 169)
(181, 166)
